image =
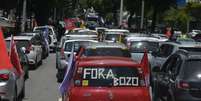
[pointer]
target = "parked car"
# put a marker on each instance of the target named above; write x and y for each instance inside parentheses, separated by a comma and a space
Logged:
(39, 36)
(168, 48)
(23, 59)
(108, 79)
(64, 52)
(51, 36)
(12, 84)
(115, 35)
(31, 46)
(179, 77)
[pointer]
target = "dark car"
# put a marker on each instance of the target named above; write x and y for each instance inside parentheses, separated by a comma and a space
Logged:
(197, 37)
(180, 77)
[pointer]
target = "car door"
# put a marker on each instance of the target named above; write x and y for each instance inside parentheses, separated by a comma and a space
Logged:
(162, 55)
(169, 72)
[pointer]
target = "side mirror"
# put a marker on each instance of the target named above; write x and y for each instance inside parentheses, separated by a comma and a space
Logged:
(24, 50)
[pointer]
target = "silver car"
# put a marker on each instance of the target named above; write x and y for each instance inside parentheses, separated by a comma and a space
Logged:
(64, 53)
(168, 48)
(31, 47)
(11, 85)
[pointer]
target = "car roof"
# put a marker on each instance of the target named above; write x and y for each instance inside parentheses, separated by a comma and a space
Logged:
(46, 26)
(73, 40)
(107, 61)
(106, 45)
(20, 38)
(183, 43)
(29, 33)
(151, 39)
(116, 30)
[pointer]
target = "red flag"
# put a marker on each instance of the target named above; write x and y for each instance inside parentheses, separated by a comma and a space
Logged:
(14, 57)
(5, 61)
(145, 66)
(70, 24)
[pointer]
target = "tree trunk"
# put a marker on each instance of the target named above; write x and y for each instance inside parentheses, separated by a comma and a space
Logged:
(154, 19)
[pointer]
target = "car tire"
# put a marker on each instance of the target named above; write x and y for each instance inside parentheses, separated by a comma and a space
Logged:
(40, 62)
(15, 98)
(22, 94)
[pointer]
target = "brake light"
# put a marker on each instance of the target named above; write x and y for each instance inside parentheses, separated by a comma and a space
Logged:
(4, 76)
(183, 85)
(62, 54)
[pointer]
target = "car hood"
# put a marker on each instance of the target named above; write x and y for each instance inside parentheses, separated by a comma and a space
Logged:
(109, 94)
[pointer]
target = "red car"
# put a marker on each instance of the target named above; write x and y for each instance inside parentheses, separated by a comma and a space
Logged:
(107, 78)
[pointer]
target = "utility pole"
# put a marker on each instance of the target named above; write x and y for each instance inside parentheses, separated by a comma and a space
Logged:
(142, 16)
(24, 16)
(121, 12)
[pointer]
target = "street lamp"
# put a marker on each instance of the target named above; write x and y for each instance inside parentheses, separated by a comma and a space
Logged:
(142, 15)
(121, 12)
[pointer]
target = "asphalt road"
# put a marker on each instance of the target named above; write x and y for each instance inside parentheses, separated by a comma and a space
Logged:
(42, 85)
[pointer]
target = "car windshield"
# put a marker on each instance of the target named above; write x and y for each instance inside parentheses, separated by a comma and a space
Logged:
(107, 52)
(139, 46)
(112, 37)
(68, 45)
(107, 76)
(192, 69)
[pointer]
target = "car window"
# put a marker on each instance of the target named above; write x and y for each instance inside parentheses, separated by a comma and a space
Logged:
(172, 65)
(68, 45)
(112, 37)
(165, 50)
(192, 69)
(107, 76)
(107, 52)
(139, 46)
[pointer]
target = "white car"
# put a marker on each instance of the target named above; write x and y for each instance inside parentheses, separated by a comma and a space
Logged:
(115, 35)
(65, 51)
(52, 39)
(85, 34)
(32, 48)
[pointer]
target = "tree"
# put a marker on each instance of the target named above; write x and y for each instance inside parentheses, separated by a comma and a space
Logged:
(181, 16)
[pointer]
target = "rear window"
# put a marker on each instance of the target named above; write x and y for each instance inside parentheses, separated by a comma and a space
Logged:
(19, 44)
(106, 76)
(112, 37)
(192, 69)
(68, 45)
(191, 49)
(139, 46)
(107, 52)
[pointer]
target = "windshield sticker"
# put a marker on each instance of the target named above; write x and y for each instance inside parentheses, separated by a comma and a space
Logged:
(85, 83)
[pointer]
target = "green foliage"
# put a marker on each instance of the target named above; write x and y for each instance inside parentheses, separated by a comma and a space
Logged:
(181, 16)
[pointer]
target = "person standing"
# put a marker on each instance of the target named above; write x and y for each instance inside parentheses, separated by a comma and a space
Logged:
(169, 32)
